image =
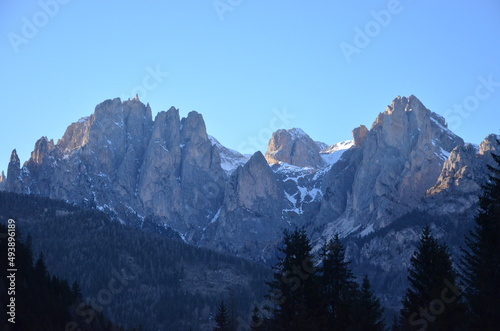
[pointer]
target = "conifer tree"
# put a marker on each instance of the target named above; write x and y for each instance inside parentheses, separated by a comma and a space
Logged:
(76, 291)
(395, 326)
(480, 265)
(257, 321)
(222, 318)
(369, 312)
(295, 288)
(339, 288)
(432, 301)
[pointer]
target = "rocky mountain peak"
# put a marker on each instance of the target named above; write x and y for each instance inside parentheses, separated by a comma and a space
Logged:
(294, 147)
(393, 166)
(458, 171)
(490, 143)
(408, 121)
(42, 148)
(13, 182)
(193, 128)
(252, 183)
(111, 118)
(359, 134)
(14, 159)
(250, 211)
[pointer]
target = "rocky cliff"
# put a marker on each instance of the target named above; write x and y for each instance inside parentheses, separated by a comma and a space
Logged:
(389, 170)
(294, 147)
(120, 160)
(168, 173)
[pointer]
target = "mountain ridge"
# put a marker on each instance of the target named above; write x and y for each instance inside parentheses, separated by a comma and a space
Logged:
(122, 160)
(168, 169)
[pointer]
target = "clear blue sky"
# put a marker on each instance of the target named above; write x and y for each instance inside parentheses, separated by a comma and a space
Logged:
(241, 62)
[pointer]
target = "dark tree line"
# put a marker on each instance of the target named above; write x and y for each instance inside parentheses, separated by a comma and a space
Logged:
(480, 265)
(169, 284)
(42, 301)
(309, 293)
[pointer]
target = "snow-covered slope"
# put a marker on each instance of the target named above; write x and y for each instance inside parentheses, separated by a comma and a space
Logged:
(332, 154)
(230, 159)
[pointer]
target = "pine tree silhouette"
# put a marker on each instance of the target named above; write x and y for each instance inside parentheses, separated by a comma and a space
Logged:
(295, 289)
(222, 318)
(480, 265)
(432, 300)
(339, 288)
(369, 312)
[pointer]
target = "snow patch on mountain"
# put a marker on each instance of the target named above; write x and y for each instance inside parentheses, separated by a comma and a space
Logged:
(441, 123)
(230, 159)
(333, 153)
(83, 119)
(442, 153)
(369, 229)
(297, 133)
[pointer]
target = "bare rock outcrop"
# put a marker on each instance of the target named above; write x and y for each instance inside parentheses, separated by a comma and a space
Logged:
(294, 147)
(400, 158)
(251, 212)
(14, 180)
(2, 181)
(359, 135)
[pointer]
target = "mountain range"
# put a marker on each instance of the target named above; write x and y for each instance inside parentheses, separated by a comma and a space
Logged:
(376, 191)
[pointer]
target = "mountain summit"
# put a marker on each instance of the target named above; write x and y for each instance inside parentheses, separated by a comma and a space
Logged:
(169, 173)
(294, 147)
(121, 160)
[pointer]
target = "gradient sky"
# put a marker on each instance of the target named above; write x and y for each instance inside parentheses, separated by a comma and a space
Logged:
(248, 66)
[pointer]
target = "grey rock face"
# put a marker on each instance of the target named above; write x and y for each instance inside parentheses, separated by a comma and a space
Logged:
(120, 160)
(293, 147)
(489, 144)
(181, 178)
(359, 134)
(250, 216)
(170, 170)
(459, 171)
(230, 159)
(460, 182)
(389, 172)
(2, 181)
(14, 182)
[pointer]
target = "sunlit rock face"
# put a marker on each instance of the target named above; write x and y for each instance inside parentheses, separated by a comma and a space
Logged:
(293, 147)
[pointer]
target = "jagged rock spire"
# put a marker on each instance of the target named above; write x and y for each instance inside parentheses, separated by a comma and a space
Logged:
(13, 182)
(42, 147)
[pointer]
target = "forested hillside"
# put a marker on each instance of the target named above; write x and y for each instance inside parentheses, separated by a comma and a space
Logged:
(132, 276)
